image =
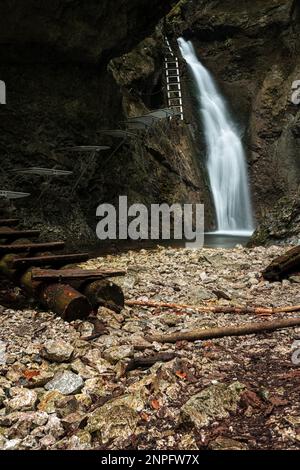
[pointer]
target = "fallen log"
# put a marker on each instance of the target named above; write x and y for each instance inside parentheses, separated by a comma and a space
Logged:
(283, 265)
(31, 247)
(74, 274)
(213, 333)
(104, 293)
(214, 309)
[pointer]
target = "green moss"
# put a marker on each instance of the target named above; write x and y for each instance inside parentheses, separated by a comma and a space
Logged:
(175, 15)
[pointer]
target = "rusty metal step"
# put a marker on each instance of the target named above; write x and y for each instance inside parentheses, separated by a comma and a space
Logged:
(31, 247)
(74, 274)
(50, 260)
(9, 222)
(15, 234)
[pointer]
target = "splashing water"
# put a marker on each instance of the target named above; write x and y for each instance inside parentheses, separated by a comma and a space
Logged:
(226, 162)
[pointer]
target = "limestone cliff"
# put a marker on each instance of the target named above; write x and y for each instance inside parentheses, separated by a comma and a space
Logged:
(252, 48)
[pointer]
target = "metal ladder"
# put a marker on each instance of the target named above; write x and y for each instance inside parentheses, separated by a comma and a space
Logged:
(173, 80)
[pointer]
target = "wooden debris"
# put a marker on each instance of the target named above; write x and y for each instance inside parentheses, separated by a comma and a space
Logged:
(148, 361)
(284, 265)
(9, 222)
(31, 247)
(74, 274)
(50, 260)
(212, 333)
(214, 309)
(14, 234)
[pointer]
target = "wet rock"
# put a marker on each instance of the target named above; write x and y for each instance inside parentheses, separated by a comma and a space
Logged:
(97, 362)
(94, 387)
(118, 353)
(129, 282)
(40, 379)
(66, 382)
(212, 403)
(2, 396)
(116, 419)
(66, 406)
(54, 427)
(57, 351)
(86, 329)
(26, 422)
(225, 443)
(12, 444)
(73, 421)
(81, 440)
(83, 370)
(170, 319)
(47, 442)
(198, 294)
(47, 401)
(29, 443)
(22, 399)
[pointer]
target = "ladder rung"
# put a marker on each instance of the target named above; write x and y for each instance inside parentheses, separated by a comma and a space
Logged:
(31, 247)
(8, 222)
(15, 234)
(51, 260)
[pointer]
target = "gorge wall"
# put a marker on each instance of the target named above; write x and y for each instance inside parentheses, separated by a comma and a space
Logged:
(73, 68)
(252, 48)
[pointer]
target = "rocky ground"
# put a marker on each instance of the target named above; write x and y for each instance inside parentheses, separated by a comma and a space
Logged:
(60, 390)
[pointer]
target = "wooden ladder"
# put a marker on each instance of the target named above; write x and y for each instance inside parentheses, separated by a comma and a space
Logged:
(173, 80)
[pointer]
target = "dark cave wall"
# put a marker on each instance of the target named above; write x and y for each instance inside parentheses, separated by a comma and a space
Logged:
(61, 92)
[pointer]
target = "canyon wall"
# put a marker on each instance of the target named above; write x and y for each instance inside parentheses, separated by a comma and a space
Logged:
(74, 68)
(252, 49)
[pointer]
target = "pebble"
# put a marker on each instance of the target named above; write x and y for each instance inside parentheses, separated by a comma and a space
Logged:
(57, 351)
(66, 382)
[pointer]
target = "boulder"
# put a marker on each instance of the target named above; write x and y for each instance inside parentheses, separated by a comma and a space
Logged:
(212, 403)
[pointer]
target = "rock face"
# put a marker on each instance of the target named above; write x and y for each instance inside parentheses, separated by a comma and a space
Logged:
(252, 49)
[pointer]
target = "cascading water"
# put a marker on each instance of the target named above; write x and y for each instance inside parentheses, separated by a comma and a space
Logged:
(226, 162)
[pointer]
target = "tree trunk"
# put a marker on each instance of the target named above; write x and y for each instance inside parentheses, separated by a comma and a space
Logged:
(211, 333)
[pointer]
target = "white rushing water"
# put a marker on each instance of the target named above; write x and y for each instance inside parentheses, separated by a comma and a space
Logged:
(226, 162)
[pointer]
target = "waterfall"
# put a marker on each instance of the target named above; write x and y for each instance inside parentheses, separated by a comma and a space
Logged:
(226, 162)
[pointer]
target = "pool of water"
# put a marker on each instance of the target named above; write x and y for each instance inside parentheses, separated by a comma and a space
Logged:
(226, 239)
(211, 240)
